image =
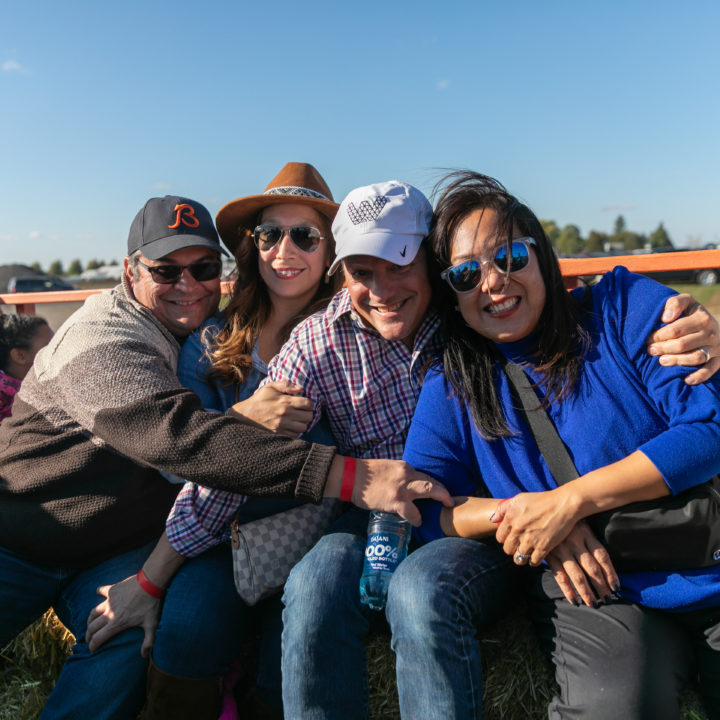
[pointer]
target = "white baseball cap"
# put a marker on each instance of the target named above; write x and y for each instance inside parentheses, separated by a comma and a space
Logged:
(387, 220)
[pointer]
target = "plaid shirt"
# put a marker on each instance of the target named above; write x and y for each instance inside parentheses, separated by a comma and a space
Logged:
(200, 518)
(366, 386)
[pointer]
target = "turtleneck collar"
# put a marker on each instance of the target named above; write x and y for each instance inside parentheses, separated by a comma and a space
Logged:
(520, 350)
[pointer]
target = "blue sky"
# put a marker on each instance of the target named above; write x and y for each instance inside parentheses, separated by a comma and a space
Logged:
(583, 109)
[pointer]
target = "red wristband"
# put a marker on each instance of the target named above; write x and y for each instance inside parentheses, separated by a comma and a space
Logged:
(348, 479)
(149, 587)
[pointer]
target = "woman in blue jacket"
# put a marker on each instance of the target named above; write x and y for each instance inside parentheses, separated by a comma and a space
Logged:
(635, 431)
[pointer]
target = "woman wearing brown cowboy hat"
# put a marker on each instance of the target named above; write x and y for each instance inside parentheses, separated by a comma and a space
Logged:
(283, 247)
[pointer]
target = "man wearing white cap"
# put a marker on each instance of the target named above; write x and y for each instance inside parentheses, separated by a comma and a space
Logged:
(360, 363)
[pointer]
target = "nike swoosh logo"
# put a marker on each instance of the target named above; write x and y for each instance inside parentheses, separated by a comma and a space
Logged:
(404, 250)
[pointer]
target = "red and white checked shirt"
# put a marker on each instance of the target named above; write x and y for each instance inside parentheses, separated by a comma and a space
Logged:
(366, 386)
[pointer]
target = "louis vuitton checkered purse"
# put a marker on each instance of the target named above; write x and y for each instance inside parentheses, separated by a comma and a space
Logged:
(266, 550)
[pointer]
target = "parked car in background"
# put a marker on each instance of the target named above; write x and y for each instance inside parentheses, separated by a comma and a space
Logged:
(37, 283)
(700, 276)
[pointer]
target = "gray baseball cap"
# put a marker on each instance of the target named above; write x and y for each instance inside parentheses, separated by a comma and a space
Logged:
(172, 223)
(387, 220)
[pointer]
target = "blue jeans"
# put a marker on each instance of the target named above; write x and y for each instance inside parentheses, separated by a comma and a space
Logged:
(109, 683)
(204, 621)
(201, 630)
(438, 598)
(324, 626)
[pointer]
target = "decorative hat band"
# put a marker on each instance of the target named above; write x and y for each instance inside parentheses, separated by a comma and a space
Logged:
(296, 190)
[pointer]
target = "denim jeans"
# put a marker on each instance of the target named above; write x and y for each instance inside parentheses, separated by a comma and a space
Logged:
(438, 597)
(201, 630)
(324, 626)
(204, 621)
(109, 683)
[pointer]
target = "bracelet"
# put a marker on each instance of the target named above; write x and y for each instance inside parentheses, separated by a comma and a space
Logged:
(496, 509)
(149, 587)
(348, 479)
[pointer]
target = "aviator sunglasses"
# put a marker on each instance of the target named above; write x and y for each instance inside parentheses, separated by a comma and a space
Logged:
(466, 276)
(304, 237)
(169, 274)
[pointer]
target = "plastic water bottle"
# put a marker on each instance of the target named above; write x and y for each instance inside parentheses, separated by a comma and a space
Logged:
(387, 545)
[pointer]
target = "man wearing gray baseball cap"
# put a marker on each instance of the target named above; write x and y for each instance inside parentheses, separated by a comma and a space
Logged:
(99, 416)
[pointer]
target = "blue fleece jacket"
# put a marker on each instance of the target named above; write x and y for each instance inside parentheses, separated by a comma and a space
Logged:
(624, 401)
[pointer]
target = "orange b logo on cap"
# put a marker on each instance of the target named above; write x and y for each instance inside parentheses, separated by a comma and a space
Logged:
(184, 214)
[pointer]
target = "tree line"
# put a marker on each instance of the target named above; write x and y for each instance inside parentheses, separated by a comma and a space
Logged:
(566, 240)
(56, 268)
(569, 241)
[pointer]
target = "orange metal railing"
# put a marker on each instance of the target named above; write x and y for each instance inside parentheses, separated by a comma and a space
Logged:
(650, 262)
(571, 268)
(25, 302)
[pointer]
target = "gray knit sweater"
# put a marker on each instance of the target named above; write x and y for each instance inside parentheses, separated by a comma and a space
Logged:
(98, 415)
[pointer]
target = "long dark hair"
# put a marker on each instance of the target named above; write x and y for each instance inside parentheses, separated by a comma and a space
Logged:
(249, 308)
(470, 360)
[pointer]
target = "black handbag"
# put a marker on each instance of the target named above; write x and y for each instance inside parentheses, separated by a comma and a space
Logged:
(678, 532)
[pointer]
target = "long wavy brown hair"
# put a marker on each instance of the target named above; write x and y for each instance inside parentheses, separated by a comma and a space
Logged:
(229, 351)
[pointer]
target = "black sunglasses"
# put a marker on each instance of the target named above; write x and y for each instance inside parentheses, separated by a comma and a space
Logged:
(466, 276)
(304, 237)
(169, 274)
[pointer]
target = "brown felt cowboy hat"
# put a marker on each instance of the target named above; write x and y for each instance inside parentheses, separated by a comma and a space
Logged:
(295, 183)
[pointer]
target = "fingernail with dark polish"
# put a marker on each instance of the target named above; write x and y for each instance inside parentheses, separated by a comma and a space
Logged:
(608, 598)
(615, 585)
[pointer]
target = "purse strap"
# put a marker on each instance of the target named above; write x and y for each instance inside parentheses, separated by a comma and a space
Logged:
(546, 436)
(526, 401)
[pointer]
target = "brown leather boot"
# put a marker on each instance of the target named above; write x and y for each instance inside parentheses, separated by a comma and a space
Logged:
(170, 697)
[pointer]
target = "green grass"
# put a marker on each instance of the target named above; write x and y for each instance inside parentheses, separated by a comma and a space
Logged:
(702, 293)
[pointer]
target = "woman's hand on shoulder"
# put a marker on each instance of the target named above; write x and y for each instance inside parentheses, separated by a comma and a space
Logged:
(276, 406)
(690, 338)
(582, 568)
(125, 605)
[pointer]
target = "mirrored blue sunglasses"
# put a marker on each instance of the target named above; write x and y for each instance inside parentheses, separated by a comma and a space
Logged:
(466, 276)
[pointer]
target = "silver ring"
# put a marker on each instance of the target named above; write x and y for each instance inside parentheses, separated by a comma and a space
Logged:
(522, 558)
(706, 354)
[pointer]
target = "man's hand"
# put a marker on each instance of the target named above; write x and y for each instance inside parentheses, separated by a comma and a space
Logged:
(392, 485)
(691, 338)
(126, 605)
(276, 406)
(581, 566)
